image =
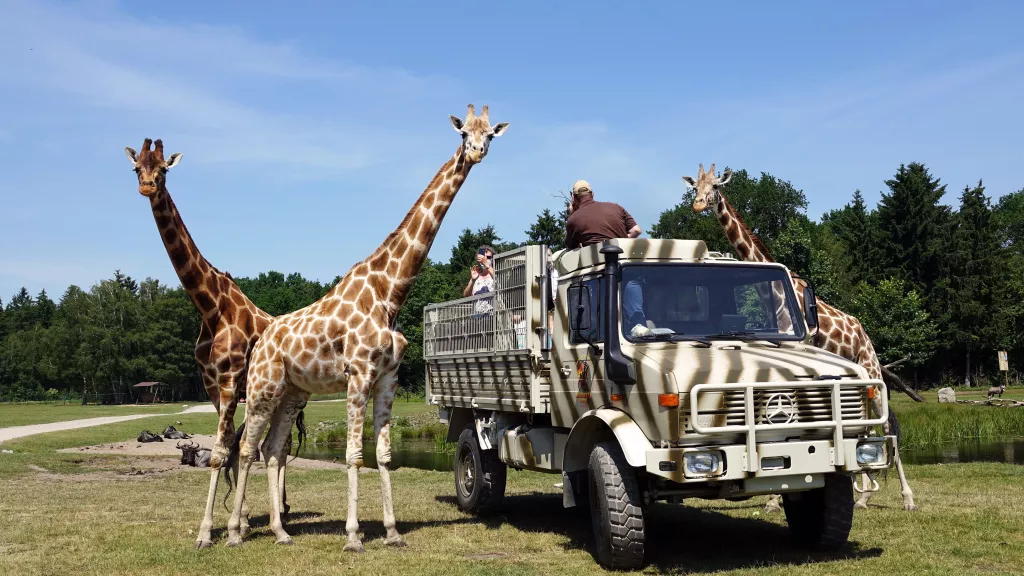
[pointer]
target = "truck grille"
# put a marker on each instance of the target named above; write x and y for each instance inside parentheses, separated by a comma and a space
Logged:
(778, 406)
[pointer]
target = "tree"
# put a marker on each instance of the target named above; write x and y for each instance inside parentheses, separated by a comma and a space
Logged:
(812, 252)
(968, 289)
(856, 230)
(895, 320)
(548, 229)
(464, 251)
(912, 223)
(765, 204)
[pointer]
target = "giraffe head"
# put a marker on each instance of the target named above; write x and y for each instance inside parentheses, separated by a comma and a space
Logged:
(477, 133)
(151, 166)
(707, 186)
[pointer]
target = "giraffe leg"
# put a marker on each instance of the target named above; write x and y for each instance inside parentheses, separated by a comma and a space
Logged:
(256, 423)
(774, 504)
(274, 451)
(383, 400)
(908, 494)
(866, 492)
(224, 387)
(356, 408)
(203, 539)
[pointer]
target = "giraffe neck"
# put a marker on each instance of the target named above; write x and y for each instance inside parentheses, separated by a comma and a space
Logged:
(190, 265)
(748, 246)
(404, 251)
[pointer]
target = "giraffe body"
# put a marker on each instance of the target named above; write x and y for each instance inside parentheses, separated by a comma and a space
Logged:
(231, 323)
(347, 341)
(838, 332)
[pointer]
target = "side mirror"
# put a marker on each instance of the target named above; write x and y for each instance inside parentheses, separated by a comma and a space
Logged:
(810, 307)
(579, 308)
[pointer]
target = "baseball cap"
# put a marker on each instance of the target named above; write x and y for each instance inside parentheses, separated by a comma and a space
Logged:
(581, 186)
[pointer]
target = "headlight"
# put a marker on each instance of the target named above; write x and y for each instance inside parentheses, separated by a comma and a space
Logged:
(870, 453)
(698, 463)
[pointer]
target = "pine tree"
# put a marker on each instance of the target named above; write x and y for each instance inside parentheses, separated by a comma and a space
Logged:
(912, 223)
(969, 288)
(857, 230)
(548, 229)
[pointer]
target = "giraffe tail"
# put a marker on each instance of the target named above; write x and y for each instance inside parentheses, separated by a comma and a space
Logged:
(300, 425)
(231, 460)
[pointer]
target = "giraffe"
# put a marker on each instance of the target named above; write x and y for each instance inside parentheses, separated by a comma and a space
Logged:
(838, 332)
(348, 340)
(230, 325)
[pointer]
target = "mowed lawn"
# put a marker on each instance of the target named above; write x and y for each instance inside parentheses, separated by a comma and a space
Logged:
(82, 513)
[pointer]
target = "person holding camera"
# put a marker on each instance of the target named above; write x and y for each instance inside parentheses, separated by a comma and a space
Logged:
(481, 279)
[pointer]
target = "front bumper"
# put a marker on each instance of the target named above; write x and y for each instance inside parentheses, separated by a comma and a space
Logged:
(779, 466)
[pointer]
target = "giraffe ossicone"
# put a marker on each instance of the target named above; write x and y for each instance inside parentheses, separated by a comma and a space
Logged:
(347, 341)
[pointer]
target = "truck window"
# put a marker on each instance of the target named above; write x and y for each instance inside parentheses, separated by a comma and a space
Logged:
(709, 299)
(595, 333)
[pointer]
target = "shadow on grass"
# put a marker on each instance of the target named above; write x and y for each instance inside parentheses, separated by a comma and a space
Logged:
(678, 537)
(302, 523)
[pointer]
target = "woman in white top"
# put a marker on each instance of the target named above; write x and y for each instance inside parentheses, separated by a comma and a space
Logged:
(481, 279)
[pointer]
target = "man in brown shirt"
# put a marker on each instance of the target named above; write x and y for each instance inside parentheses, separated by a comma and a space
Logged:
(591, 222)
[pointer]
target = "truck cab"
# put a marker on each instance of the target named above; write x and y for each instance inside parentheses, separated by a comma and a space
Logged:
(644, 370)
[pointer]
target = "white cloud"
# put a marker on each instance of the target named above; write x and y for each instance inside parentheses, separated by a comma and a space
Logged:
(191, 81)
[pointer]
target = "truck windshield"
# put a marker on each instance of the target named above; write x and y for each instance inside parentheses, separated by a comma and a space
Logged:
(709, 302)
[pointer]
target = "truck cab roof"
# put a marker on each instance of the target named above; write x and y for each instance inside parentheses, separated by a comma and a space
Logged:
(640, 249)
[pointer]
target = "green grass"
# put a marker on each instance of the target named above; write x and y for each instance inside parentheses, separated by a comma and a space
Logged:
(934, 423)
(87, 516)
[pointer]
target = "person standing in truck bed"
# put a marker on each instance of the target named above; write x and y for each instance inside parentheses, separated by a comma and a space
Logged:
(592, 222)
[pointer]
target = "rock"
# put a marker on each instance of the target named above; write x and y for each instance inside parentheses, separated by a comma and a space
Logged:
(947, 396)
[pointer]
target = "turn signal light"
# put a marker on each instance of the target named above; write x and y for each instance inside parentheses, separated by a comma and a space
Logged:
(668, 400)
(871, 392)
(616, 397)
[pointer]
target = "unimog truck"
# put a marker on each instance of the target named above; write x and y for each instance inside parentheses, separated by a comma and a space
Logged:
(645, 370)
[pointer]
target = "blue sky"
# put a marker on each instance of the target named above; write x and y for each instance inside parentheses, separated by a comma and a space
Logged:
(309, 128)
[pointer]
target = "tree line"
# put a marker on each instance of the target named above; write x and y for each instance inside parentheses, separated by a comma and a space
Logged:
(938, 288)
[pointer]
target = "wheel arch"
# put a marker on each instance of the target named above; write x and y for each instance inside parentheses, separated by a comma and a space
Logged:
(600, 425)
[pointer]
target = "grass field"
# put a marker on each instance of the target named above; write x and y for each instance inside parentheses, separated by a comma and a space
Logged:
(81, 513)
(25, 413)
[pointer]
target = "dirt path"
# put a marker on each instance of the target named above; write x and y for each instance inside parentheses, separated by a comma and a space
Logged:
(13, 432)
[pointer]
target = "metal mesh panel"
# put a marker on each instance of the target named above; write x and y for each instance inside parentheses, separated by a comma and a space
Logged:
(490, 322)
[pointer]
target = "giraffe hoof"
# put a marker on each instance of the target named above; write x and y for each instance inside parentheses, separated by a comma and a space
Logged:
(910, 508)
(286, 541)
(861, 505)
(770, 508)
(200, 544)
(395, 541)
(234, 542)
(243, 530)
(354, 547)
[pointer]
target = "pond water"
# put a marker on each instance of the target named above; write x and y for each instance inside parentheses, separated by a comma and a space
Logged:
(1010, 451)
(422, 454)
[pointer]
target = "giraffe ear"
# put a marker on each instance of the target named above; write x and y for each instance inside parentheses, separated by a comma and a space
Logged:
(726, 176)
(456, 123)
(132, 154)
(690, 181)
(500, 129)
(173, 160)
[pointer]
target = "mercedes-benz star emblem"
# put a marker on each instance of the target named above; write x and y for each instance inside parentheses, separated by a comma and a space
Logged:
(780, 409)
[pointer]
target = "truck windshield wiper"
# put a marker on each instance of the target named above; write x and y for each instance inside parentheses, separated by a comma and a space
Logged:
(743, 335)
(674, 337)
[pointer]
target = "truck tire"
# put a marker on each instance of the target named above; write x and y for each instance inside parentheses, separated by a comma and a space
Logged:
(821, 518)
(479, 476)
(616, 516)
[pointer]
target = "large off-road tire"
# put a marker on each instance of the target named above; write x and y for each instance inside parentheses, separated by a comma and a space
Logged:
(616, 515)
(479, 476)
(821, 518)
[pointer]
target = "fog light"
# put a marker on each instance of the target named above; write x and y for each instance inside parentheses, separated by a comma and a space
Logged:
(701, 462)
(870, 453)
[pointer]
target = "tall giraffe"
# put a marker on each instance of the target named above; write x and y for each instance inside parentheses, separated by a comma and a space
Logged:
(231, 323)
(838, 332)
(348, 340)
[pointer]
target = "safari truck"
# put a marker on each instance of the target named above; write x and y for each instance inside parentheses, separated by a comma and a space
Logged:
(645, 370)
